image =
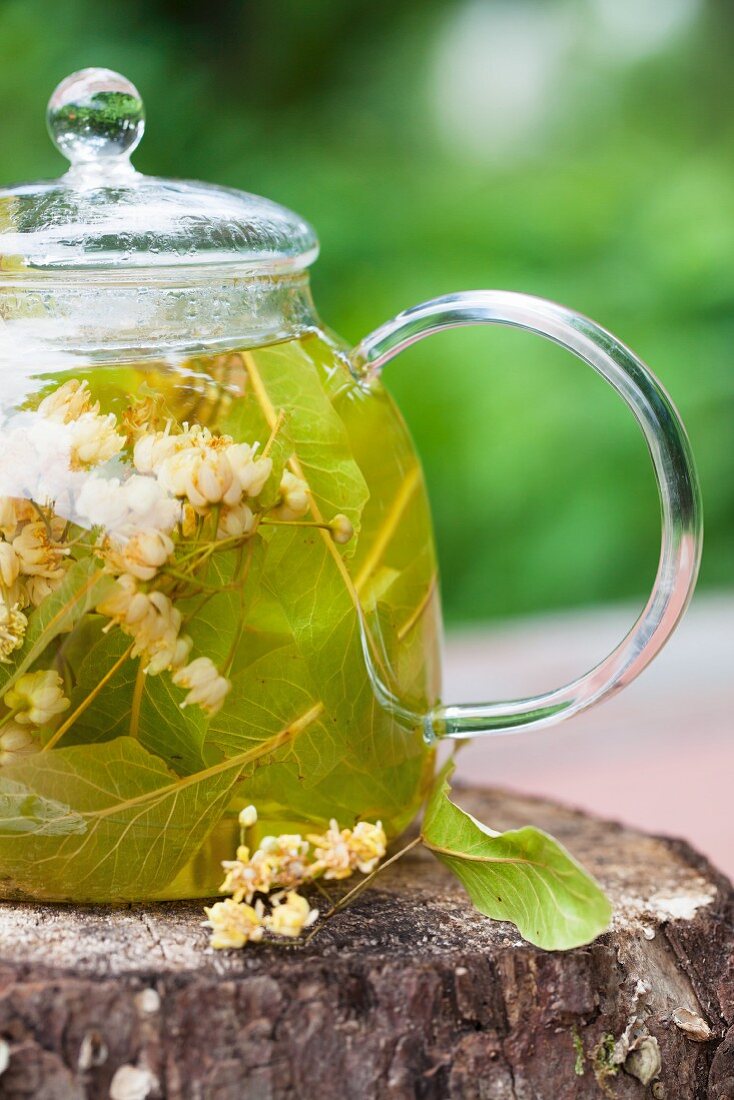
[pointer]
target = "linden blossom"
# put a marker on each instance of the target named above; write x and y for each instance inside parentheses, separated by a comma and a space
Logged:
(283, 863)
(183, 477)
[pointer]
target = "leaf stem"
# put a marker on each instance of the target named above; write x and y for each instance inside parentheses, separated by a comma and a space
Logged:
(137, 702)
(353, 893)
(233, 763)
(417, 612)
(274, 433)
(53, 741)
(389, 526)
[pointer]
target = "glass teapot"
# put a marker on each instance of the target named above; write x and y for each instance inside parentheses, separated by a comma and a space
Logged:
(217, 565)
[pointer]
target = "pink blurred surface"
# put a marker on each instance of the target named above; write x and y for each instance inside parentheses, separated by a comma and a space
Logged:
(660, 755)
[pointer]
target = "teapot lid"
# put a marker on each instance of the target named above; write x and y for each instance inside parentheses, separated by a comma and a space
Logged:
(104, 215)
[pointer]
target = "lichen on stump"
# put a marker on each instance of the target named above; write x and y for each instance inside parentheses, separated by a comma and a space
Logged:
(407, 994)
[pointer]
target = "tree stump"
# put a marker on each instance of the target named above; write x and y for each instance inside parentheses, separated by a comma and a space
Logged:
(408, 995)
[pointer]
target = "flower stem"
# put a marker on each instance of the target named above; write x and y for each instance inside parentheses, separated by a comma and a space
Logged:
(353, 893)
(295, 523)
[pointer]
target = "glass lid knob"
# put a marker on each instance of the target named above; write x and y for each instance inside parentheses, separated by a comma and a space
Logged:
(96, 117)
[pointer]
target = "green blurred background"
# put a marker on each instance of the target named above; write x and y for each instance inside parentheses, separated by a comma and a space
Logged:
(582, 150)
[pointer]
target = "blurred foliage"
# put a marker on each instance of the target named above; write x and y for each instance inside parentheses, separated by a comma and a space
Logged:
(618, 199)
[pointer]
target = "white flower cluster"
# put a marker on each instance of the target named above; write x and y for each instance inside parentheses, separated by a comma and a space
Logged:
(182, 477)
(204, 471)
(66, 436)
(33, 702)
(125, 508)
(187, 488)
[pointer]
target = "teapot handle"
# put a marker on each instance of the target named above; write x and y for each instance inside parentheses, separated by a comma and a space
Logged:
(674, 471)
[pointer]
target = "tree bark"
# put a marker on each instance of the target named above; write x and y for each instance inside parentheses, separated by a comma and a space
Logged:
(409, 994)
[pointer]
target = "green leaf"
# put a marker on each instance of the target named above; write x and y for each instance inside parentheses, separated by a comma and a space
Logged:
(104, 822)
(273, 687)
(282, 380)
(82, 588)
(523, 876)
(131, 703)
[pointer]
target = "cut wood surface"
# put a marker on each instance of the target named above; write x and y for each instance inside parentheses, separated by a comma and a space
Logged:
(408, 995)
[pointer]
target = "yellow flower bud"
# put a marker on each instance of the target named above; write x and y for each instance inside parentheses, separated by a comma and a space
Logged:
(152, 449)
(235, 520)
(342, 529)
(248, 817)
(250, 472)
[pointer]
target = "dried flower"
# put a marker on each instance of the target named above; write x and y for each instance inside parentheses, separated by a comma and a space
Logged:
(290, 915)
(189, 520)
(15, 741)
(13, 625)
(94, 439)
(37, 697)
(294, 501)
(141, 418)
(9, 564)
(342, 529)
(68, 402)
(234, 923)
(204, 684)
(340, 852)
(38, 553)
